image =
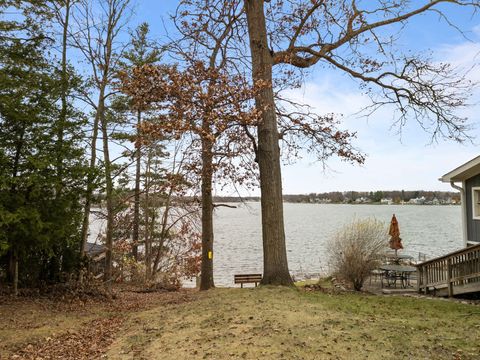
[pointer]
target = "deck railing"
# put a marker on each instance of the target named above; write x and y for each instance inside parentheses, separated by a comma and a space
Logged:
(458, 272)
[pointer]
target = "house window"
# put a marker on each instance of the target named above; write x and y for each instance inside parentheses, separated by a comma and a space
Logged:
(476, 202)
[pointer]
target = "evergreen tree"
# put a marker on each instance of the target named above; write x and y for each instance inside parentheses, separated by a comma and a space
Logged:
(40, 225)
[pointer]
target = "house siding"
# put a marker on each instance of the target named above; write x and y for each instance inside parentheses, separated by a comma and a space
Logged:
(473, 226)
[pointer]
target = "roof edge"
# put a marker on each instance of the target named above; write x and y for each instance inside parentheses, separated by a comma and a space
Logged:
(458, 174)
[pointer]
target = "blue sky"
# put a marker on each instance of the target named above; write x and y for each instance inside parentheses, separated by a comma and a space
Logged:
(405, 162)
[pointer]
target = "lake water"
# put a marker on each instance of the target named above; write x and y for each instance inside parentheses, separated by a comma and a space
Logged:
(433, 230)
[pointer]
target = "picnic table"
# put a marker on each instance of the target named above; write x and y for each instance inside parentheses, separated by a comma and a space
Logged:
(394, 272)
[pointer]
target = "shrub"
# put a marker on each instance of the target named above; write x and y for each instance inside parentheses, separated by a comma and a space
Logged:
(356, 250)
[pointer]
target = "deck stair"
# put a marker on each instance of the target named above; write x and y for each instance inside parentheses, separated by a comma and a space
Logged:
(452, 274)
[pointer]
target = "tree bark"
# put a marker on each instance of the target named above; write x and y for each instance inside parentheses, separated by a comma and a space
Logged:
(274, 249)
(136, 210)
(206, 276)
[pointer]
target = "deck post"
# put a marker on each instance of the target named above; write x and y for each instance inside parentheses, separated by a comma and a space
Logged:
(449, 277)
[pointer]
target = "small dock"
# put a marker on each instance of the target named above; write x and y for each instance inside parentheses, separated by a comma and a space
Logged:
(453, 274)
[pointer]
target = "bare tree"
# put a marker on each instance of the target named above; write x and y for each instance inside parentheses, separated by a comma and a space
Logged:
(96, 35)
(169, 220)
(343, 34)
(172, 222)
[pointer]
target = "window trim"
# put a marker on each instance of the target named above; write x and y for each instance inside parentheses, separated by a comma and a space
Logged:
(474, 215)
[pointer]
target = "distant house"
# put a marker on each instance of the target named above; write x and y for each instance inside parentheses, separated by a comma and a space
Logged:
(417, 201)
(362, 200)
(468, 175)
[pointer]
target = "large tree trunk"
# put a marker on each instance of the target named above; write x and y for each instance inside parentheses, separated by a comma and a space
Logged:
(206, 279)
(136, 209)
(274, 249)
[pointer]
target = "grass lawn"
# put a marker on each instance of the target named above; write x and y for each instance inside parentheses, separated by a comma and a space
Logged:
(279, 323)
(270, 323)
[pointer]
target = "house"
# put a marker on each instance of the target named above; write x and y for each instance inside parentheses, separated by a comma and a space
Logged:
(417, 201)
(458, 272)
(466, 179)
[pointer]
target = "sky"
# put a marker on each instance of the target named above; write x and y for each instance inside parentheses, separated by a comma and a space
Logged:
(409, 160)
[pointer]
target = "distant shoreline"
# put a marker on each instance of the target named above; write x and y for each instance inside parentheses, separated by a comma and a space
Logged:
(332, 203)
(400, 197)
(395, 197)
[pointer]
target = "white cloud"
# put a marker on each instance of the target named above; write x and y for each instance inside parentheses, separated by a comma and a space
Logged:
(403, 167)
(391, 163)
(465, 57)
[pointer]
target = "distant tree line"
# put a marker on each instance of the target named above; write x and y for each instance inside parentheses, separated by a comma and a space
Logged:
(391, 196)
(339, 197)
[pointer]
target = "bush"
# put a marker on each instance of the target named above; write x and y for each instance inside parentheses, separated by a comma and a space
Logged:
(356, 250)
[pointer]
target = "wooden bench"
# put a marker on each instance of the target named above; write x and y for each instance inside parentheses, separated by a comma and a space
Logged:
(247, 278)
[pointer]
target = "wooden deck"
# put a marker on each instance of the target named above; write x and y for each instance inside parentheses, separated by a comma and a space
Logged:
(453, 274)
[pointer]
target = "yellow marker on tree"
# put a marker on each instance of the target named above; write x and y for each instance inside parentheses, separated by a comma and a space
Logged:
(210, 255)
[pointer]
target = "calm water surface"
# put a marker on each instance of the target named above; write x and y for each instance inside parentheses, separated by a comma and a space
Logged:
(433, 230)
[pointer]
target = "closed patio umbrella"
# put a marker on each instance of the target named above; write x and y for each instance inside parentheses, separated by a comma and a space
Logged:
(394, 232)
